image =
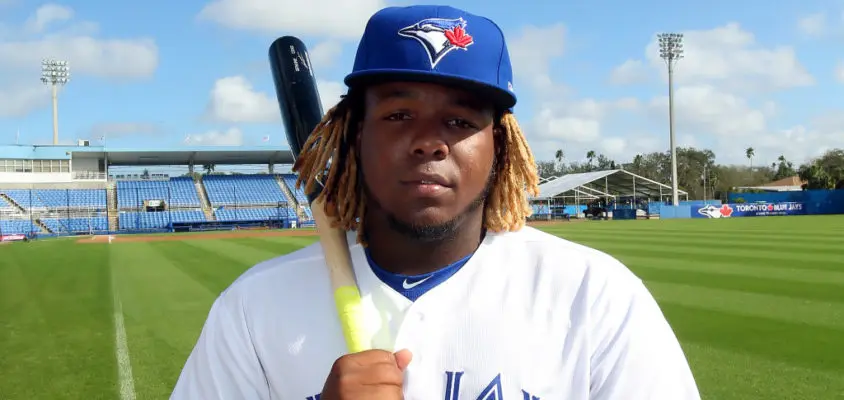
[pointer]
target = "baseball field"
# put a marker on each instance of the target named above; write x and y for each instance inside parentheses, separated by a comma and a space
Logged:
(758, 303)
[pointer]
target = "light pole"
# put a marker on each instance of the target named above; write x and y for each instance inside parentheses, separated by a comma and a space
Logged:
(55, 73)
(671, 50)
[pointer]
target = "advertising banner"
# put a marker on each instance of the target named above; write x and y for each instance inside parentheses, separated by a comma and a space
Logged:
(12, 238)
(749, 210)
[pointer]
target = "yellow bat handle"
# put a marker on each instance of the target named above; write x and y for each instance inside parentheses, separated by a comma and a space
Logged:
(342, 276)
(347, 299)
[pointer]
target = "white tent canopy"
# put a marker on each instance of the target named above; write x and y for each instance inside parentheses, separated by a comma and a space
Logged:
(603, 184)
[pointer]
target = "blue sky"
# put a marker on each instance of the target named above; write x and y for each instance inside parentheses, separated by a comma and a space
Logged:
(587, 73)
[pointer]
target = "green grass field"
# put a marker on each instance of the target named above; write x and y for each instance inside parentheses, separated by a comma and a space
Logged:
(758, 304)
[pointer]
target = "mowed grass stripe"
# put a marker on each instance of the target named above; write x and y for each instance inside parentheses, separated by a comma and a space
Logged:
(731, 374)
(760, 270)
(808, 260)
(57, 339)
(822, 242)
(276, 245)
(215, 270)
(810, 346)
(778, 287)
(809, 312)
(164, 309)
(239, 254)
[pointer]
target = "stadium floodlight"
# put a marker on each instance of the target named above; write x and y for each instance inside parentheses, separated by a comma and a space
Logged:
(671, 50)
(55, 73)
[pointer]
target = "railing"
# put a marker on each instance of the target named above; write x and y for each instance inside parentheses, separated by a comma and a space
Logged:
(89, 176)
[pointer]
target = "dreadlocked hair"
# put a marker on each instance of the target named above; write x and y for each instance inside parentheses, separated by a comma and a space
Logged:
(330, 156)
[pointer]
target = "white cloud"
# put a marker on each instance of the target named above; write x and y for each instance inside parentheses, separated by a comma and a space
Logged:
(839, 72)
(52, 32)
(46, 15)
(17, 99)
(531, 53)
(630, 72)
(704, 109)
(229, 137)
(330, 92)
(233, 99)
(341, 19)
(812, 25)
(729, 56)
(324, 54)
(722, 89)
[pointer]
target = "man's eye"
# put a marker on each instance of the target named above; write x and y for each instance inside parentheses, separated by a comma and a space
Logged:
(462, 124)
(397, 117)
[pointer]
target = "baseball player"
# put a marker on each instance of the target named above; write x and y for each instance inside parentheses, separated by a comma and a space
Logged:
(429, 173)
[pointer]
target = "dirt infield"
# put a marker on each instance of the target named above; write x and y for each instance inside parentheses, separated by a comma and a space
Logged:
(136, 238)
(246, 233)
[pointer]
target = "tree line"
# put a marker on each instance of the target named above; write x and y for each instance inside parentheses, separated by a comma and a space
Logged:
(701, 176)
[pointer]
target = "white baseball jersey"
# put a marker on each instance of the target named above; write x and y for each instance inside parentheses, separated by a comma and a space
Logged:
(529, 316)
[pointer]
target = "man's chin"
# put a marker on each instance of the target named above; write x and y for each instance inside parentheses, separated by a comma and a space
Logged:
(425, 227)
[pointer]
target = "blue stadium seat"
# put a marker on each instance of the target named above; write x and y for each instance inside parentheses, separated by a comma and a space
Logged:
(157, 220)
(177, 192)
(58, 198)
(254, 214)
(76, 225)
(247, 190)
(17, 227)
(299, 194)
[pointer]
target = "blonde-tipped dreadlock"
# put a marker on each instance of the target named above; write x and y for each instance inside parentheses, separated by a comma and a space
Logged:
(329, 156)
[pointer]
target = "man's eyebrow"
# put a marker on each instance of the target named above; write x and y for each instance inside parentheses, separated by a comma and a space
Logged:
(465, 101)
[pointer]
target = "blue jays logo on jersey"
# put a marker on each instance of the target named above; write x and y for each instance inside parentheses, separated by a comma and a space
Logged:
(439, 36)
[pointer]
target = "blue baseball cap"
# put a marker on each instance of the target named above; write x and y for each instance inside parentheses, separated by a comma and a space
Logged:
(435, 44)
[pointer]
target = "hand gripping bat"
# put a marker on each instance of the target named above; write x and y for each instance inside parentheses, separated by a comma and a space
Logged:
(301, 111)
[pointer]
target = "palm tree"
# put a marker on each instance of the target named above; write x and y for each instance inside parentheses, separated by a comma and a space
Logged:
(749, 153)
(590, 156)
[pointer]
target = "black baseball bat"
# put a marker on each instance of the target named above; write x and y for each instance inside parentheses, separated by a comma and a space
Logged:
(301, 111)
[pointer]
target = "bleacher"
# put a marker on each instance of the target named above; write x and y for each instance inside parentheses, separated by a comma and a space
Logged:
(17, 226)
(254, 214)
(57, 198)
(24, 197)
(298, 194)
(176, 192)
(76, 225)
(130, 220)
(243, 190)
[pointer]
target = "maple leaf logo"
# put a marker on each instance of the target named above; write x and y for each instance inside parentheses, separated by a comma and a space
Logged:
(726, 210)
(458, 37)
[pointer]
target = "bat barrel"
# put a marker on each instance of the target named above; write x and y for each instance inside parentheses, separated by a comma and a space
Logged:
(296, 92)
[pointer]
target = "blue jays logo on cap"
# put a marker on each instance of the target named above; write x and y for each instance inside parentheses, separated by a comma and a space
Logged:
(437, 44)
(439, 36)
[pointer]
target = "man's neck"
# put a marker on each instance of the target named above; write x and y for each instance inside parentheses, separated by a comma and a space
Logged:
(404, 255)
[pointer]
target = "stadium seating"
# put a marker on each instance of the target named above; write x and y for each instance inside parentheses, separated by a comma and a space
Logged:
(57, 198)
(4, 203)
(227, 190)
(176, 192)
(298, 194)
(254, 214)
(157, 220)
(76, 225)
(17, 226)
(72, 198)
(24, 197)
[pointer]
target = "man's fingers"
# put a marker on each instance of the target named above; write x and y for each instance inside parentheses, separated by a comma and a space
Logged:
(403, 358)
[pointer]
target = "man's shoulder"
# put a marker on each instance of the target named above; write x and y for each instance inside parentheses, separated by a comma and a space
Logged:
(279, 274)
(552, 250)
